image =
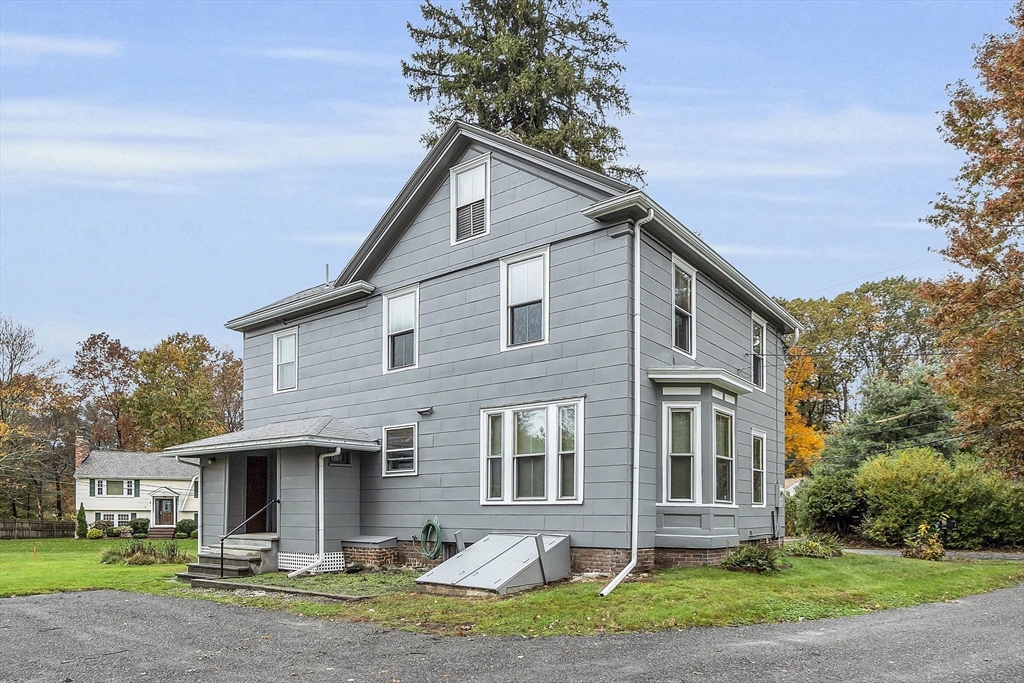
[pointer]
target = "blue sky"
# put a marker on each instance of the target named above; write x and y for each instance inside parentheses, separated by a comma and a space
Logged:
(167, 166)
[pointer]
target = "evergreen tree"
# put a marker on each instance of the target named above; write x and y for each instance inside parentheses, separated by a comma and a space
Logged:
(543, 70)
(81, 527)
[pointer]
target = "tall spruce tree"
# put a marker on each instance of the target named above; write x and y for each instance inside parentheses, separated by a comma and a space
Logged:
(544, 70)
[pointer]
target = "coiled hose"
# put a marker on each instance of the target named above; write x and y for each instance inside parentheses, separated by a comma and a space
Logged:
(432, 552)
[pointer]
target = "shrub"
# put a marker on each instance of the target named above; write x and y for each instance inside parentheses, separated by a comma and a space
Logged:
(112, 532)
(93, 534)
(139, 525)
(137, 552)
(194, 534)
(918, 486)
(179, 535)
(762, 559)
(140, 535)
(828, 503)
(924, 545)
(791, 504)
(824, 546)
(186, 526)
(123, 531)
(101, 524)
(81, 527)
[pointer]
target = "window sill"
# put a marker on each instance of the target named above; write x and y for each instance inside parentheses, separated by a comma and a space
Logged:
(671, 504)
(531, 502)
(506, 347)
(390, 371)
(399, 474)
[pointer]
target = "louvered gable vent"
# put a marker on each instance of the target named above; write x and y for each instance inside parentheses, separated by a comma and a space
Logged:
(470, 220)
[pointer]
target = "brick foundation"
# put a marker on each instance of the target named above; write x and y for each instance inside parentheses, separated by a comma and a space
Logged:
(409, 555)
(371, 557)
(668, 558)
(609, 560)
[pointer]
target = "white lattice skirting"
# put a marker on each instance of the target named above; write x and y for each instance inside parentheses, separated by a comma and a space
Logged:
(289, 562)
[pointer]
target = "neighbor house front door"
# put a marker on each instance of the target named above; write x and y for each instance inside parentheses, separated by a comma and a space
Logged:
(164, 512)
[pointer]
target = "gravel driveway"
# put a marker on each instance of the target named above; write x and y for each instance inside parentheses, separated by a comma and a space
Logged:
(112, 636)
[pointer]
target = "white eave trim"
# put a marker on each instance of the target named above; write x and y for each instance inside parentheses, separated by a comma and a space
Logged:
(641, 201)
(257, 444)
(334, 295)
(723, 379)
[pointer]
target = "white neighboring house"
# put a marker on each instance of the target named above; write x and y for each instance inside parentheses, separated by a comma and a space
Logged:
(118, 486)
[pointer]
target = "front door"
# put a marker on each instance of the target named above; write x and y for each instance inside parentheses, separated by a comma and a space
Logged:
(255, 493)
(164, 512)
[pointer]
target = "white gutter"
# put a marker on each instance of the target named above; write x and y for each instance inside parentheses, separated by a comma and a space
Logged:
(634, 539)
(320, 517)
(333, 295)
(254, 444)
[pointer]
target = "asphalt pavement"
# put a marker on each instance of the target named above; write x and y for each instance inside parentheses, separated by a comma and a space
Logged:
(113, 636)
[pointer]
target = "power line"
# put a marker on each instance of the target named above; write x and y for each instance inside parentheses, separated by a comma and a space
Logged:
(865, 277)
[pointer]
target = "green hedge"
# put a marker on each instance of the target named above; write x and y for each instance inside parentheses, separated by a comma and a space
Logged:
(886, 498)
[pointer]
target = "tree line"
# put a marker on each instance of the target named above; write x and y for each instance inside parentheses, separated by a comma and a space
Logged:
(180, 390)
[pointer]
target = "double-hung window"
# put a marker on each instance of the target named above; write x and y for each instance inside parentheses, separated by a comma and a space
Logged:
(470, 199)
(757, 466)
(681, 463)
(524, 299)
(400, 450)
(532, 453)
(112, 487)
(400, 322)
(684, 280)
(286, 364)
(757, 339)
(723, 457)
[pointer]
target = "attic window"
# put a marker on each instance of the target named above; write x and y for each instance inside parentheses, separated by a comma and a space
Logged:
(470, 202)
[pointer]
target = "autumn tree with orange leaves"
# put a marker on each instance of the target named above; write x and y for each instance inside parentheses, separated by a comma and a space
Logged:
(803, 442)
(980, 314)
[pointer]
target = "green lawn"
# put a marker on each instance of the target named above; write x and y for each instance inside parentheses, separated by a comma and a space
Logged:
(66, 564)
(812, 589)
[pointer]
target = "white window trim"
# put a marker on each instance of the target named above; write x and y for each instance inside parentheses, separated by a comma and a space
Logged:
(758, 434)
(505, 263)
(415, 451)
(277, 335)
(696, 426)
(755, 319)
(482, 160)
(125, 483)
(687, 268)
(714, 456)
(386, 358)
(551, 481)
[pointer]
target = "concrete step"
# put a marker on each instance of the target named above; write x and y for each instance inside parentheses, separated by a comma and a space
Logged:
(228, 561)
(208, 569)
(234, 553)
(249, 542)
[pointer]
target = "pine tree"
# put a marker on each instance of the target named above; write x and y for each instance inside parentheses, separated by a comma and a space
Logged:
(543, 70)
(81, 527)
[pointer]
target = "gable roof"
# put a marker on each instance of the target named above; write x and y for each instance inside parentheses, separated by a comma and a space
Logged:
(325, 432)
(133, 465)
(443, 155)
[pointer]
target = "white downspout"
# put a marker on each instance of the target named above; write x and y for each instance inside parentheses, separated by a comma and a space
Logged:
(320, 555)
(199, 525)
(634, 539)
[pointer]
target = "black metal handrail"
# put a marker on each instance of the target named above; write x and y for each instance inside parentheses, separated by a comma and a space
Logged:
(247, 520)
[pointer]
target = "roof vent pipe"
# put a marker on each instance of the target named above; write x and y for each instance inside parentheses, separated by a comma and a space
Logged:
(634, 537)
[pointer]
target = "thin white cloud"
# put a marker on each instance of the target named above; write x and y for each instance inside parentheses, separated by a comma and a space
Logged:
(58, 142)
(902, 225)
(764, 251)
(330, 56)
(698, 143)
(329, 239)
(25, 48)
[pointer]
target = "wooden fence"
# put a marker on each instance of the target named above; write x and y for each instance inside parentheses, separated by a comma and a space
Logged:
(30, 528)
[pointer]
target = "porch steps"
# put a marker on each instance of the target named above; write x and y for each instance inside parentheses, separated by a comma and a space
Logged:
(161, 532)
(243, 556)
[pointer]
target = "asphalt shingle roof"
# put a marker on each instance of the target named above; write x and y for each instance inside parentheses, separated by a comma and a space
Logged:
(133, 465)
(310, 429)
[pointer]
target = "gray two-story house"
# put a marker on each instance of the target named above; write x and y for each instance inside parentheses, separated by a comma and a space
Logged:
(520, 344)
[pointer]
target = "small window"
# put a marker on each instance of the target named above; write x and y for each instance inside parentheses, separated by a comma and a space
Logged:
(400, 322)
(757, 335)
(343, 459)
(470, 200)
(101, 487)
(129, 487)
(683, 303)
(723, 458)
(400, 450)
(123, 518)
(286, 364)
(108, 517)
(757, 464)
(195, 489)
(538, 449)
(524, 300)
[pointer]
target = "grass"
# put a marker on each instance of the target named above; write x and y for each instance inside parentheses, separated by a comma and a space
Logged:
(361, 584)
(682, 598)
(66, 564)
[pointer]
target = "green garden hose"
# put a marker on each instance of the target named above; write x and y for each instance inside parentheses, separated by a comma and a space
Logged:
(431, 525)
